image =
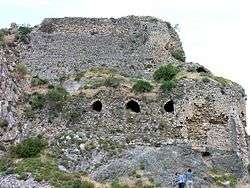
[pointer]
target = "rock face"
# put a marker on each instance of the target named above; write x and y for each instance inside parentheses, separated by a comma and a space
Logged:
(106, 129)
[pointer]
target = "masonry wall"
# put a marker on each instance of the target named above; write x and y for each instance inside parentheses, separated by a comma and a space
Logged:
(134, 46)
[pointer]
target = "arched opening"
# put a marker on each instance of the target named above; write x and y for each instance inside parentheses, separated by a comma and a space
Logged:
(97, 106)
(169, 106)
(205, 154)
(133, 106)
(201, 69)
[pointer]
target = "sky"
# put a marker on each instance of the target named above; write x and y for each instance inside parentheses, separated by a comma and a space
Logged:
(214, 33)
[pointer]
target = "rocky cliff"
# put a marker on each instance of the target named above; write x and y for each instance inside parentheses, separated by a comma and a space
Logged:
(114, 100)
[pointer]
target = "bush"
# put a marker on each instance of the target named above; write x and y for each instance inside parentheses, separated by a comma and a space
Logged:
(5, 163)
(111, 82)
(30, 147)
(28, 112)
(79, 184)
(179, 55)
(2, 33)
(108, 82)
(79, 76)
(142, 86)
(37, 101)
(3, 123)
(205, 79)
(168, 85)
(57, 94)
(74, 114)
(117, 184)
(23, 33)
(222, 80)
(248, 168)
(165, 72)
(36, 81)
(21, 70)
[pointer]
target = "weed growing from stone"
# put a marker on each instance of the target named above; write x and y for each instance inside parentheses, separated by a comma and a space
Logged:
(168, 85)
(21, 70)
(141, 86)
(30, 147)
(179, 55)
(36, 81)
(165, 72)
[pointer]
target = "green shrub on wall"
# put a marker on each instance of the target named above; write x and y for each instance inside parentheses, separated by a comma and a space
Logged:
(36, 81)
(79, 184)
(21, 69)
(23, 32)
(179, 55)
(30, 147)
(165, 72)
(37, 101)
(168, 85)
(142, 86)
(57, 94)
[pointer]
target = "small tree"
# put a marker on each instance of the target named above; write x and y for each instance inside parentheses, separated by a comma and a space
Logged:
(168, 85)
(23, 33)
(165, 73)
(21, 69)
(57, 94)
(37, 101)
(29, 147)
(179, 55)
(142, 86)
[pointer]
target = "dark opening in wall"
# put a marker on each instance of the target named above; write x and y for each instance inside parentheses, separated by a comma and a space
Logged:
(206, 154)
(134, 106)
(242, 114)
(97, 106)
(169, 106)
(201, 69)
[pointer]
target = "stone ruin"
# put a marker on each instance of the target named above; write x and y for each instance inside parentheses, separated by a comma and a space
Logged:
(200, 124)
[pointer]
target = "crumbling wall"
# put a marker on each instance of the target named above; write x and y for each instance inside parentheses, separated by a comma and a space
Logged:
(131, 45)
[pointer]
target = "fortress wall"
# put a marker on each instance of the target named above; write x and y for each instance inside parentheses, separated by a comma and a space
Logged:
(131, 45)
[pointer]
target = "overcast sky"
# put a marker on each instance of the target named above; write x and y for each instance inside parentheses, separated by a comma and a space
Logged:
(214, 33)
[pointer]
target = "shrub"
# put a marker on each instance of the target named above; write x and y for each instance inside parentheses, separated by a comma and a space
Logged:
(165, 72)
(142, 86)
(248, 168)
(3, 123)
(5, 163)
(36, 81)
(111, 82)
(37, 101)
(57, 94)
(74, 113)
(168, 85)
(117, 184)
(79, 184)
(179, 55)
(222, 80)
(29, 147)
(2, 33)
(21, 69)
(205, 79)
(79, 76)
(108, 82)
(28, 112)
(219, 180)
(23, 33)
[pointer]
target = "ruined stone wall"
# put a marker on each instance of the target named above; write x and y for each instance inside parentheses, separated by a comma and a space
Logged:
(198, 124)
(206, 115)
(11, 93)
(131, 45)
